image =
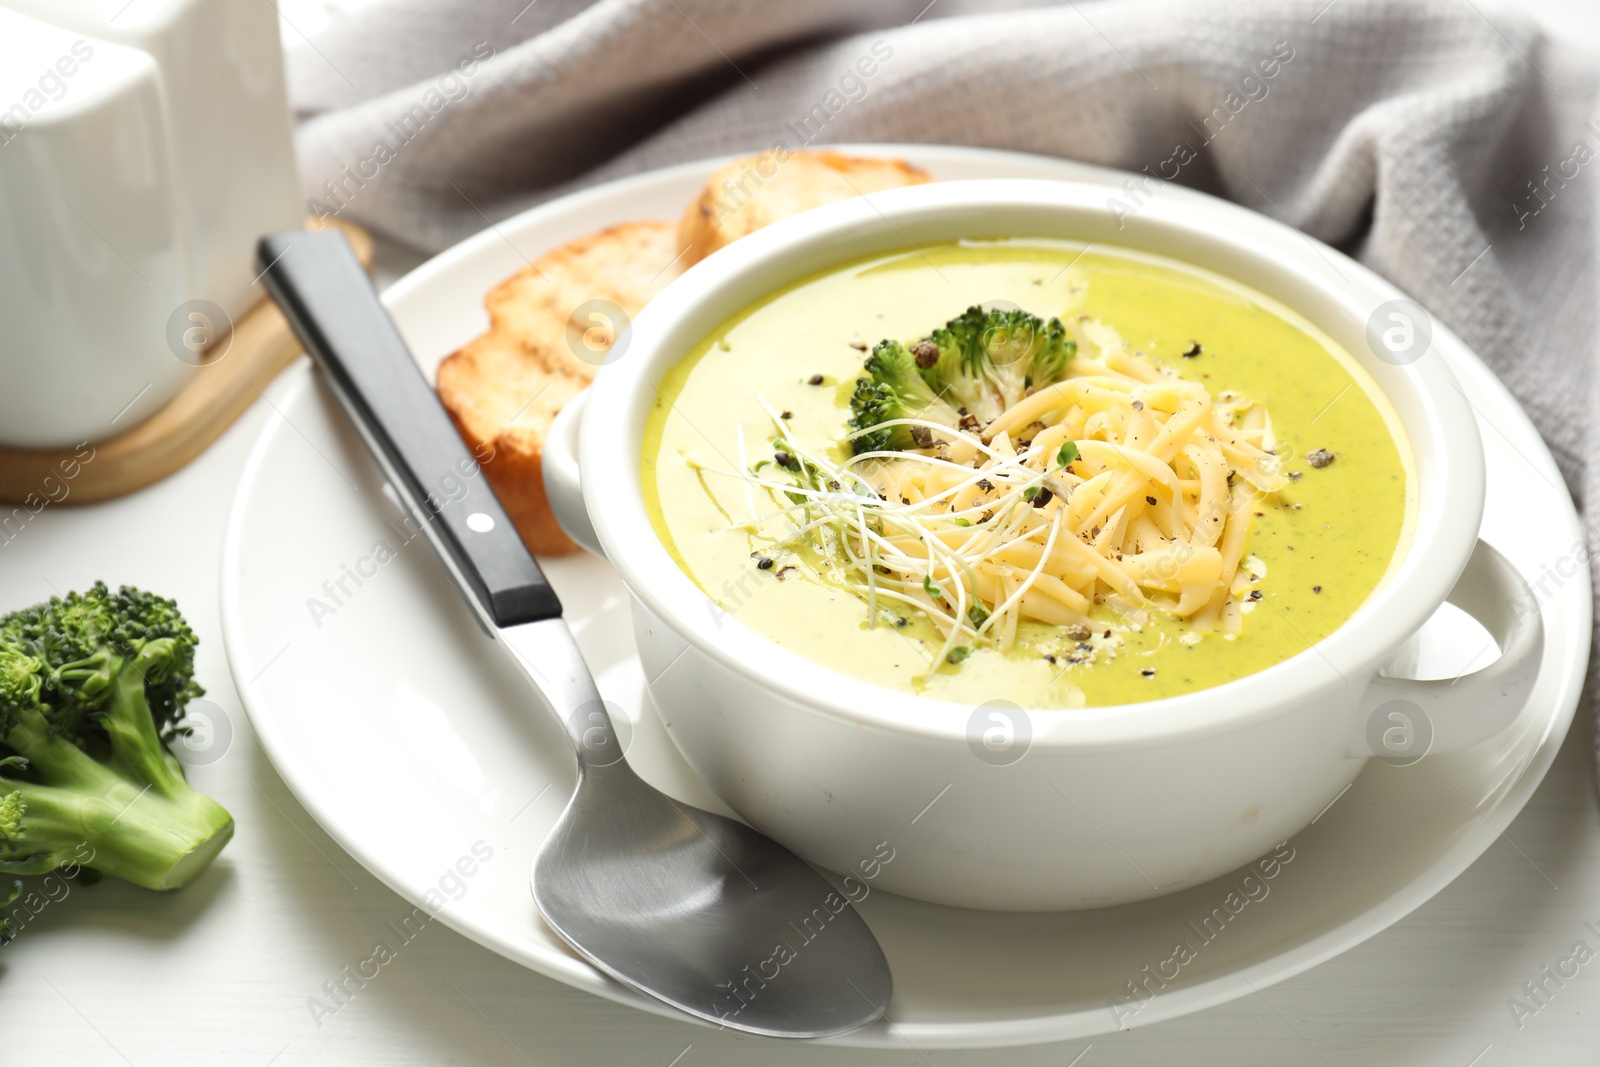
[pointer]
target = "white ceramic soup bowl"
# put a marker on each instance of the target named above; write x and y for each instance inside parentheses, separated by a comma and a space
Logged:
(994, 807)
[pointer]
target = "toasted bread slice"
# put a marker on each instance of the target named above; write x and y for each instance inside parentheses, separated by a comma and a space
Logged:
(502, 398)
(552, 323)
(505, 388)
(747, 194)
(566, 301)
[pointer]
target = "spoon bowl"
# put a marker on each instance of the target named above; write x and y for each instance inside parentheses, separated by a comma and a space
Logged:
(704, 913)
(690, 907)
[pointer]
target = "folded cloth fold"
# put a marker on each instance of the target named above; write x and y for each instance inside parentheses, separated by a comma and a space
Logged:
(1453, 150)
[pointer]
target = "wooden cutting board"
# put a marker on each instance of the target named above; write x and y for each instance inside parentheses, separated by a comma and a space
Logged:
(238, 366)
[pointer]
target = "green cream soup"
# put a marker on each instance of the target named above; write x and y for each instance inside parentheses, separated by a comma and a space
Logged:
(1318, 547)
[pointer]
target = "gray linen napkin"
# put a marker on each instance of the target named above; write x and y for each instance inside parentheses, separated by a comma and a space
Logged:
(1454, 151)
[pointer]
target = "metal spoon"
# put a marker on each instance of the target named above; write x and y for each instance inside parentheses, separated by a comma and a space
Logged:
(691, 908)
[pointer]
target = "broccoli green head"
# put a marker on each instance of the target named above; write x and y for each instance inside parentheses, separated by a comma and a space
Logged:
(967, 371)
(21, 678)
(997, 356)
(892, 387)
(1050, 354)
(12, 808)
(92, 687)
(1025, 352)
(959, 365)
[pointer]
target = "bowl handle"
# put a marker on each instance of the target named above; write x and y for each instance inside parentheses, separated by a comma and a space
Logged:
(1411, 717)
(562, 484)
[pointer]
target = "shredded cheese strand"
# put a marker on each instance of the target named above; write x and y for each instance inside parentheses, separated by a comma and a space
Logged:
(981, 532)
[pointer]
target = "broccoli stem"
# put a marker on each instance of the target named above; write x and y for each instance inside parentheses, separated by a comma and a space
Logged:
(135, 816)
(136, 748)
(54, 758)
(158, 842)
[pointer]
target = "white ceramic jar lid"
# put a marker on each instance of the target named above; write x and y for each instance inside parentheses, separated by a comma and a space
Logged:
(144, 148)
(221, 70)
(90, 261)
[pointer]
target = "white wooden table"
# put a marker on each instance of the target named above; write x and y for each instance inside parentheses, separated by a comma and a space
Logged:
(221, 974)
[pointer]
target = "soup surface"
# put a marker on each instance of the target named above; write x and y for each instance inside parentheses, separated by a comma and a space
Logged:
(1316, 548)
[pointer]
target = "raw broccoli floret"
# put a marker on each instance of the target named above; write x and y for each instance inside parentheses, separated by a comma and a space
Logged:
(92, 687)
(891, 387)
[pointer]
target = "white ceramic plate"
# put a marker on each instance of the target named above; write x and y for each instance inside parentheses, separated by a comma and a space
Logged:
(406, 736)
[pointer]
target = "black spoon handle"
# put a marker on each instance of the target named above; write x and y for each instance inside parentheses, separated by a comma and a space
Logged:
(328, 300)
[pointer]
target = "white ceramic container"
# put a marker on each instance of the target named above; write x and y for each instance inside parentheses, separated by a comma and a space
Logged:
(91, 263)
(221, 68)
(1103, 805)
(144, 146)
